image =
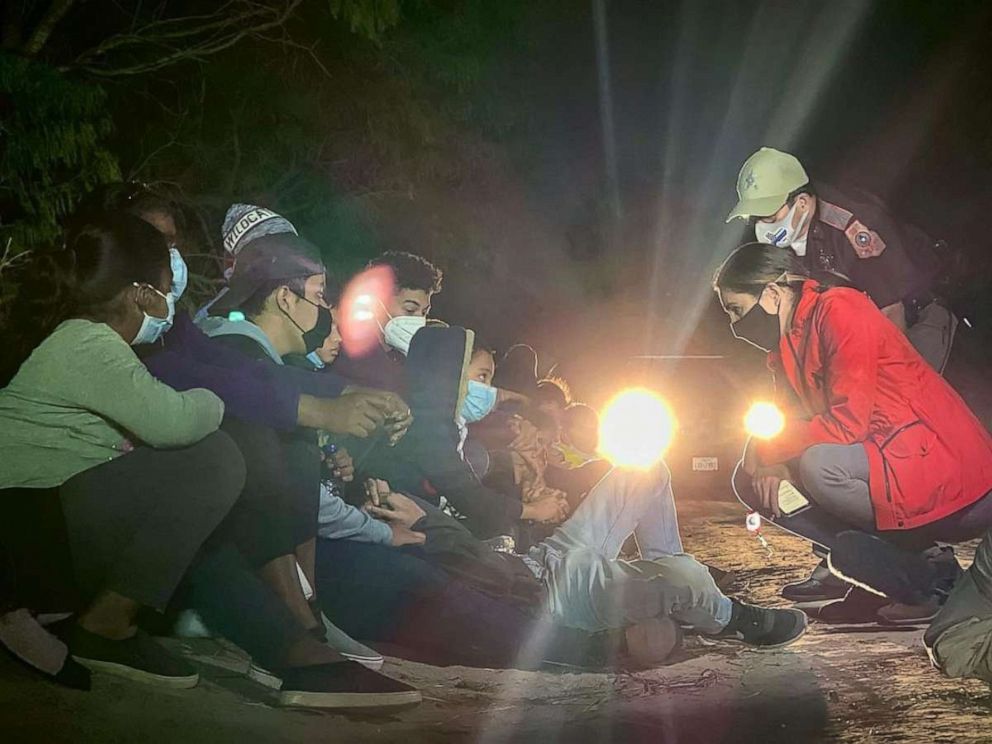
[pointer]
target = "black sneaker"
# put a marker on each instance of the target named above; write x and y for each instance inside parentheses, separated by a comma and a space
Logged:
(820, 586)
(344, 685)
(137, 658)
(764, 627)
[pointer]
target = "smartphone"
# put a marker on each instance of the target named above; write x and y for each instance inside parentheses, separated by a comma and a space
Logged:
(790, 500)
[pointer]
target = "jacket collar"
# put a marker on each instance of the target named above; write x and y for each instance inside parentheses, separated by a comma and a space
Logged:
(808, 300)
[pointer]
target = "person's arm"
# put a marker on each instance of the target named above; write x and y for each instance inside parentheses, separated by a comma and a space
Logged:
(488, 512)
(338, 520)
(250, 391)
(848, 330)
(103, 374)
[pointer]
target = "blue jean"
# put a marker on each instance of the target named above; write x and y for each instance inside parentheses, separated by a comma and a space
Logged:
(591, 589)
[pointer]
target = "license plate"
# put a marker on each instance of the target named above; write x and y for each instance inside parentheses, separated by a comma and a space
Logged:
(704, 464)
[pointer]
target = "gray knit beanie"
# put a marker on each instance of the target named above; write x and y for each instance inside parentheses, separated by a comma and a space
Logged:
(244, 223)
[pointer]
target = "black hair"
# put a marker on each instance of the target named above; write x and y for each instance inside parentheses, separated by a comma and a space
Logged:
(103, 255)
(481, 345)
(132, 197)
(553, 390)
(752, 266)
(255, 304)
(411, 271)
(579, 414)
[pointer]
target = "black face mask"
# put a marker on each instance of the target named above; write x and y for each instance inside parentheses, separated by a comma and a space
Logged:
(315, 337)
(758, 328)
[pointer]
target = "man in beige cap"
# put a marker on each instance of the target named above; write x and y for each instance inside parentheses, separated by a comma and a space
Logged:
(851, 234)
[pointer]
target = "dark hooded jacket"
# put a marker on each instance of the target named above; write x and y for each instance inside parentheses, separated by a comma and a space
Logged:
(426, 461)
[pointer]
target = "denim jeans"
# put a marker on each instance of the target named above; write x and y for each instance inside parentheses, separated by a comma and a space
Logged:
(590, 589)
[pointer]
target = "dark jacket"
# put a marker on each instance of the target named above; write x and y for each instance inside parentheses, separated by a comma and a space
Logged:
(426, 461)
(852, 233)
(252, 388)
(380, 368)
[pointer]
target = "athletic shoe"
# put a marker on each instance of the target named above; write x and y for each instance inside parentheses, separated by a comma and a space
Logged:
(821, 585)
(764, 627)
(348, 647)
(859, 607)
(344, 686)
(137, 658)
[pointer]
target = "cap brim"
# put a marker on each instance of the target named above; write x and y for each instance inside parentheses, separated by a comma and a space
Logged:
(235, 296)
(747, 208)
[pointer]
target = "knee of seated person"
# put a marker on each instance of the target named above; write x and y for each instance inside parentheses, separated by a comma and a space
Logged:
(812, 470)
(218, 465)
(649, 481)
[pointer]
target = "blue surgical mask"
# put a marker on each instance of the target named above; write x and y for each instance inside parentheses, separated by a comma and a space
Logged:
(180, 273)
(152, 328)
(315, 360)
(480, 400)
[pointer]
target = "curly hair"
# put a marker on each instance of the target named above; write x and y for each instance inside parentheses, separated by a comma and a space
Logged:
(411, 271)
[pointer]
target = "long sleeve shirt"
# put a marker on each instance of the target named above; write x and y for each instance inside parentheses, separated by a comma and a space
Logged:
(339, 520)
(82, 398)
(252, 389)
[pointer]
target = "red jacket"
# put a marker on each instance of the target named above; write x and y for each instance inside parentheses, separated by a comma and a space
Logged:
(860, 380)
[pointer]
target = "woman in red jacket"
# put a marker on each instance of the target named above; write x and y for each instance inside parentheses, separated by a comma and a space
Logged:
(888, 454)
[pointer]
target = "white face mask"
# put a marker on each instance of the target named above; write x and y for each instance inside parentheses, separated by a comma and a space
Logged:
(781, 233)
(153, 328)
(399, 331)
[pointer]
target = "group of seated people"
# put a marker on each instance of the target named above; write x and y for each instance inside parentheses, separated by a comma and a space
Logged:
(245, 470)
(239, 471)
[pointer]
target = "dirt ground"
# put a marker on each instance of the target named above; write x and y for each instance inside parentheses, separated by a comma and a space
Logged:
(830, 686)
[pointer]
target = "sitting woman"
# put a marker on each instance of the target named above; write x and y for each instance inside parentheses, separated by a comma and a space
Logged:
(132, 463)
(888, 455)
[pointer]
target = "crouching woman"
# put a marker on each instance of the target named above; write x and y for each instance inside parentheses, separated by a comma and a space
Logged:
(132, 464)
(888, 454)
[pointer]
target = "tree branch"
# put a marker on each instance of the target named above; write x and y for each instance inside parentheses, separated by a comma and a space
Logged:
(161, 43)
(39, 37)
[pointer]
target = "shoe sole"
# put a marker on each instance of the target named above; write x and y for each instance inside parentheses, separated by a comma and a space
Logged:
(356, 701)
(814, 598)
(369, 662)
(906, 621)
(139, 675)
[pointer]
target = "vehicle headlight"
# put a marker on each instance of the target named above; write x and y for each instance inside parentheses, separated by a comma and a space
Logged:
(636, 428)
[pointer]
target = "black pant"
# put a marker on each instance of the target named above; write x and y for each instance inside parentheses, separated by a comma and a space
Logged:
(380, 593)
(890, 561)
(136, 523)
(278, 507)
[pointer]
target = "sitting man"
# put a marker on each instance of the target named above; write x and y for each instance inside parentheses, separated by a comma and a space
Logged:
(413, 281)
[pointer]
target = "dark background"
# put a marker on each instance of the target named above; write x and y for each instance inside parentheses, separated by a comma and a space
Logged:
(473, 132)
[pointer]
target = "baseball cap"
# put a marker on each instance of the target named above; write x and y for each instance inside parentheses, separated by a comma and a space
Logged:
(765, 182)
(264, 260)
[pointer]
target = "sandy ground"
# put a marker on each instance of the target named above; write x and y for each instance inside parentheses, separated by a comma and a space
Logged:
(830, 686)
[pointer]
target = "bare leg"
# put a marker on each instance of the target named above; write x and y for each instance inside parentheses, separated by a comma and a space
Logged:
(281, 576)
(306, 556)
(110, 616)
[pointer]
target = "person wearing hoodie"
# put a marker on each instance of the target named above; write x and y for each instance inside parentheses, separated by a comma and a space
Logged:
(274, 307)
(586, 586)
(428, 461)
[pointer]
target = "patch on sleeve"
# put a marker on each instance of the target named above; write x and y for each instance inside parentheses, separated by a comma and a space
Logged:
(866, 243)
